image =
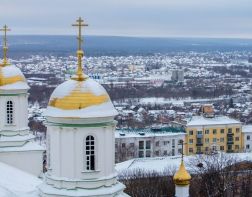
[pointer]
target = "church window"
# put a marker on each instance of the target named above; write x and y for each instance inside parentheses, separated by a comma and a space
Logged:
(9, 112)
(90, 153)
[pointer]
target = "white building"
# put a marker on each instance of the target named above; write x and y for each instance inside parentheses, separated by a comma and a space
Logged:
(17, 146)
(80, 140)
(141, 143)
(247, 137)
(178, 75)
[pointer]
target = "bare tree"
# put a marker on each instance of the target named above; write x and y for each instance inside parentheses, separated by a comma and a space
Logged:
(141, 183)
(215, 175)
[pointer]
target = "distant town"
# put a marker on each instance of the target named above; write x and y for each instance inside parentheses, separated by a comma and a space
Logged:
(156, 96)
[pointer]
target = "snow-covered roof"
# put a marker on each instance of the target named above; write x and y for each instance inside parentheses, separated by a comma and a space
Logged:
(29, 146)
(80, 99)
(217, 120)
(148, 132)
(171, 163)
(11, 78)
(14, 182)
(16, 138)
(247, 129)
(78, 192)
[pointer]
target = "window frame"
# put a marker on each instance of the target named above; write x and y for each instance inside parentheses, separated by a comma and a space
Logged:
(91, 156)
(9, 112)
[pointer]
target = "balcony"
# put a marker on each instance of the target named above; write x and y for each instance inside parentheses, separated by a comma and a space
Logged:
(230, 134)
(199, 143)
(230, 142)
(230, 151)
(199, 135)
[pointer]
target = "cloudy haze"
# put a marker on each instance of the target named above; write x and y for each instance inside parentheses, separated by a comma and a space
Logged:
(155, 18)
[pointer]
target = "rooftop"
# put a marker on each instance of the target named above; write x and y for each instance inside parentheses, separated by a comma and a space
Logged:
(217, 120)
(14, 182)
(247, 129)
(149, 132)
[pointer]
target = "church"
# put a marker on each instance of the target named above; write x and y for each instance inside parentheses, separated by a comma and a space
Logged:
(80, 134)
(80, 143)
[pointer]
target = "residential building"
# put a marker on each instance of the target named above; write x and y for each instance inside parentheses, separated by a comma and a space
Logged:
(247, 137)
(207, 133)
(177, 75)
(139, 143)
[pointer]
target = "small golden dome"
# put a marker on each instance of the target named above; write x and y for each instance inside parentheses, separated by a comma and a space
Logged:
(182, 177)
(10, 74)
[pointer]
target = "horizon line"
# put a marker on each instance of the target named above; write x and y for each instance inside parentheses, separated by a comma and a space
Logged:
(140, 36)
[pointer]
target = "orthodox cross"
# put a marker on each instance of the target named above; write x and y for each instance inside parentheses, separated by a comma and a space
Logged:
(5, 48)
(80, 23)
(80, 76)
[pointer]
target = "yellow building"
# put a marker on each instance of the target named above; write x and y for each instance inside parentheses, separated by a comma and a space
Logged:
(207, 134)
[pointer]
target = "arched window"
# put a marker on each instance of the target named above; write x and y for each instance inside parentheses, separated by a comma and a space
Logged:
(90, 153)
(9, 112)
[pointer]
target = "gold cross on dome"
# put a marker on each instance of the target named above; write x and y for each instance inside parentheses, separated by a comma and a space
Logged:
(80, 23)
(80, 75)
(5, 48)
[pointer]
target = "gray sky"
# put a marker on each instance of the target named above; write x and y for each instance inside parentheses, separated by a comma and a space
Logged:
(155, 18)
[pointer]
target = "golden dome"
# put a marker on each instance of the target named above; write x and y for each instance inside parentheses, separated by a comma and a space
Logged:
(182, 177)
(10, 74)
(80, 97)
(73, 95)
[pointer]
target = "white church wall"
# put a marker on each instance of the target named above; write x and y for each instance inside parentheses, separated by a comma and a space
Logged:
(20, 113)
(182, 191)
(67, 148)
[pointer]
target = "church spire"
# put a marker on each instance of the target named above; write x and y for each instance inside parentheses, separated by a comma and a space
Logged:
(182, 178)
(5, 47)
(79, 74)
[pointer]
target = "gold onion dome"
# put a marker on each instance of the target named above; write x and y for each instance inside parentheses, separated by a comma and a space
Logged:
(80, 97)
(11, 77)
(182, 177)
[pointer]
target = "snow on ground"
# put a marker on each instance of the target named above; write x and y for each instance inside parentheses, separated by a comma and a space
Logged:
(17, 183)
(164, 164)
(176, 102)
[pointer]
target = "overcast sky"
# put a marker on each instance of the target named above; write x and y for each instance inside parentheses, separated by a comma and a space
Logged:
(155, 18)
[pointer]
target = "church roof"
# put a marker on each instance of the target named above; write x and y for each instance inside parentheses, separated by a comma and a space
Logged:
(182, 177)
(80, 99)
(14, 182)
(11, 78)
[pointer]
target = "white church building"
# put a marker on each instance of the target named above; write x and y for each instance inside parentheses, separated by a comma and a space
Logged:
(80, 138)
(17, 146)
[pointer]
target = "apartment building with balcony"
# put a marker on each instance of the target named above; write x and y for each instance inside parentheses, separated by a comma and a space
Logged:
(208, 133)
